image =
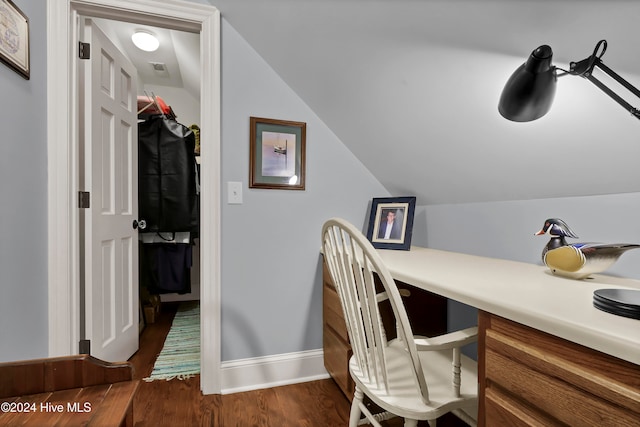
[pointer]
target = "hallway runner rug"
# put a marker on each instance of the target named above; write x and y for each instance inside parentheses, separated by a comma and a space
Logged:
(180, 356)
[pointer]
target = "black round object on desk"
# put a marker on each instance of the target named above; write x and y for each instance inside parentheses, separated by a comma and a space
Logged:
(621, 302)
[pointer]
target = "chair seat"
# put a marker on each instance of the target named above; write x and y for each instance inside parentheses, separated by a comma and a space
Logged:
(404, 398)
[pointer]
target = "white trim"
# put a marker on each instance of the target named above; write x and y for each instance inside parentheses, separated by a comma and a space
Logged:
(210, 251)
(63, 166)
(272, 371)
(62, 218)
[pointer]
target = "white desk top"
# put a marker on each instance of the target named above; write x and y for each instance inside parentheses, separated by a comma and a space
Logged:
(525, 293)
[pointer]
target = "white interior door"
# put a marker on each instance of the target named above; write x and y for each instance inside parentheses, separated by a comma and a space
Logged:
(111, 176)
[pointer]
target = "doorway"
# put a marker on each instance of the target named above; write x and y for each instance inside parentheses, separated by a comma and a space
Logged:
(62, 99)
(168, 75)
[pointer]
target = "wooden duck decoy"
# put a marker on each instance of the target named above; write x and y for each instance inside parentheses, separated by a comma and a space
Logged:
(577, 260)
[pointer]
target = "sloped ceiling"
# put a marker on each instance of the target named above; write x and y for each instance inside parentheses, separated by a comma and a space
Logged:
(178, 55)
(411, 87)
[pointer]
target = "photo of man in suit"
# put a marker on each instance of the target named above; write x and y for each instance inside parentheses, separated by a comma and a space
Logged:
(390, 226)
(391, 222)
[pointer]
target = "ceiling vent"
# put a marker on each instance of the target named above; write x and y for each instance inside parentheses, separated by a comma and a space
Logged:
(160, 70)
(158, 66)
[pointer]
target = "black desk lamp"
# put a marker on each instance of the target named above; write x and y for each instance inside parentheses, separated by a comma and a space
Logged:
(529, 92)
(528, 95)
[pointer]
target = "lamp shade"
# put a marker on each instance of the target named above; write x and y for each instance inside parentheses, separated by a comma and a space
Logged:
(530, 90)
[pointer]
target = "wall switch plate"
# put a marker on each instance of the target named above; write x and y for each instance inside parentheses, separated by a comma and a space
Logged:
(234, 193)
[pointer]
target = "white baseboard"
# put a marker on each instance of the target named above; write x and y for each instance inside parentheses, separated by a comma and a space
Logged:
(272, 371)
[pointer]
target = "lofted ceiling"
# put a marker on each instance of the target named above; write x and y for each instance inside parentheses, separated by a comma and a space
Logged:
(411, 88)
(175, 64)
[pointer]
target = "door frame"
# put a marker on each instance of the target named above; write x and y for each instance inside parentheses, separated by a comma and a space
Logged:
(63, 166)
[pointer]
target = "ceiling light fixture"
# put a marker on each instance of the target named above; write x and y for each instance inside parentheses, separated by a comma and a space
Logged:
(146, 41)
(530, 90)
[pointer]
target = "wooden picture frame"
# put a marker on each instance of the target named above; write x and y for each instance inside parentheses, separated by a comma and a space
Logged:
(277, 154)
(397, 211)
(14, 38)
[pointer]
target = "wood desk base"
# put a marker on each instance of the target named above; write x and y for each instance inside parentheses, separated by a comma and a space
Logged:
(530, 378)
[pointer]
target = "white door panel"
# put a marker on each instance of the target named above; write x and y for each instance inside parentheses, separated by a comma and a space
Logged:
(110, 161)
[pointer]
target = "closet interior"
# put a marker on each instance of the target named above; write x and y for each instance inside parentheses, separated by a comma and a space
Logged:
(168, 204)
(168, 84)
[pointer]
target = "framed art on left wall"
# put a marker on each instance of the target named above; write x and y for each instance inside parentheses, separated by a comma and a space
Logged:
(277, 154)
(14, 38)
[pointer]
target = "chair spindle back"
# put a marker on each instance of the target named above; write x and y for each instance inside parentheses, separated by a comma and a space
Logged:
(353, 263)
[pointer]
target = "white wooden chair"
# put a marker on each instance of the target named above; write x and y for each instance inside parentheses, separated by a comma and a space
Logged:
(416, 378)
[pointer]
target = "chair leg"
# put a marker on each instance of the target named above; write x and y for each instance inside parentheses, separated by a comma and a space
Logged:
(432, 423)
(410, 423)
(354, 417)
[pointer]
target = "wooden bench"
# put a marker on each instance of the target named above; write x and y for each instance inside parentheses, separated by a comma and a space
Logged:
(67, 391)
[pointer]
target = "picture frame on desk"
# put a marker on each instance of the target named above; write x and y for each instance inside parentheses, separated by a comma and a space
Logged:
(277, 154)
(14, 38)
(391, 222)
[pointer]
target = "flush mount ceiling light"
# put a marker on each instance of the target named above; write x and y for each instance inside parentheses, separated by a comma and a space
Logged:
(146, 41)
(529, 92)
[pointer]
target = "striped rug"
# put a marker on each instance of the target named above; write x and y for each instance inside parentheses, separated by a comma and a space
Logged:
(180, 356)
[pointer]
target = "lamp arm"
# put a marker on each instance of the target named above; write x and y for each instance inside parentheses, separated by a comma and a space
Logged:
(634, 111)
(585, 68)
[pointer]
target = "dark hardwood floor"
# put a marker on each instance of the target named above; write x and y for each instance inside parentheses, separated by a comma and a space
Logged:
(180, 402)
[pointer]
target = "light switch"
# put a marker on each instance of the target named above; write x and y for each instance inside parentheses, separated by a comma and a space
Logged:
(234, 193)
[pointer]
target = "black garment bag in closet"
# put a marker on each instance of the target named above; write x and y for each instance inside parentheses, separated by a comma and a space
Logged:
(167, 191)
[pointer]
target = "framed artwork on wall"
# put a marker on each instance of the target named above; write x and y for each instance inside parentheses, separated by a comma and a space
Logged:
(391, 222)
(277, 154)
(14, 38)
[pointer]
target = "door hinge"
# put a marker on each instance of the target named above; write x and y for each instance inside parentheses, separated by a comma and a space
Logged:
(84, 347)
(84, 199)
(84, 51)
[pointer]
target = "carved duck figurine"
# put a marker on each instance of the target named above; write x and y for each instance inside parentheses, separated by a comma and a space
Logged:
(577, 260)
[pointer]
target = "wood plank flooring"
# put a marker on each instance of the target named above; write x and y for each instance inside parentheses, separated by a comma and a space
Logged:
(180, 402)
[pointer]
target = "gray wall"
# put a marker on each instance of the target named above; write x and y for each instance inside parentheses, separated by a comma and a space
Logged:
(506, 230)
(271, 288)
(270, 244)
(23, 195)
